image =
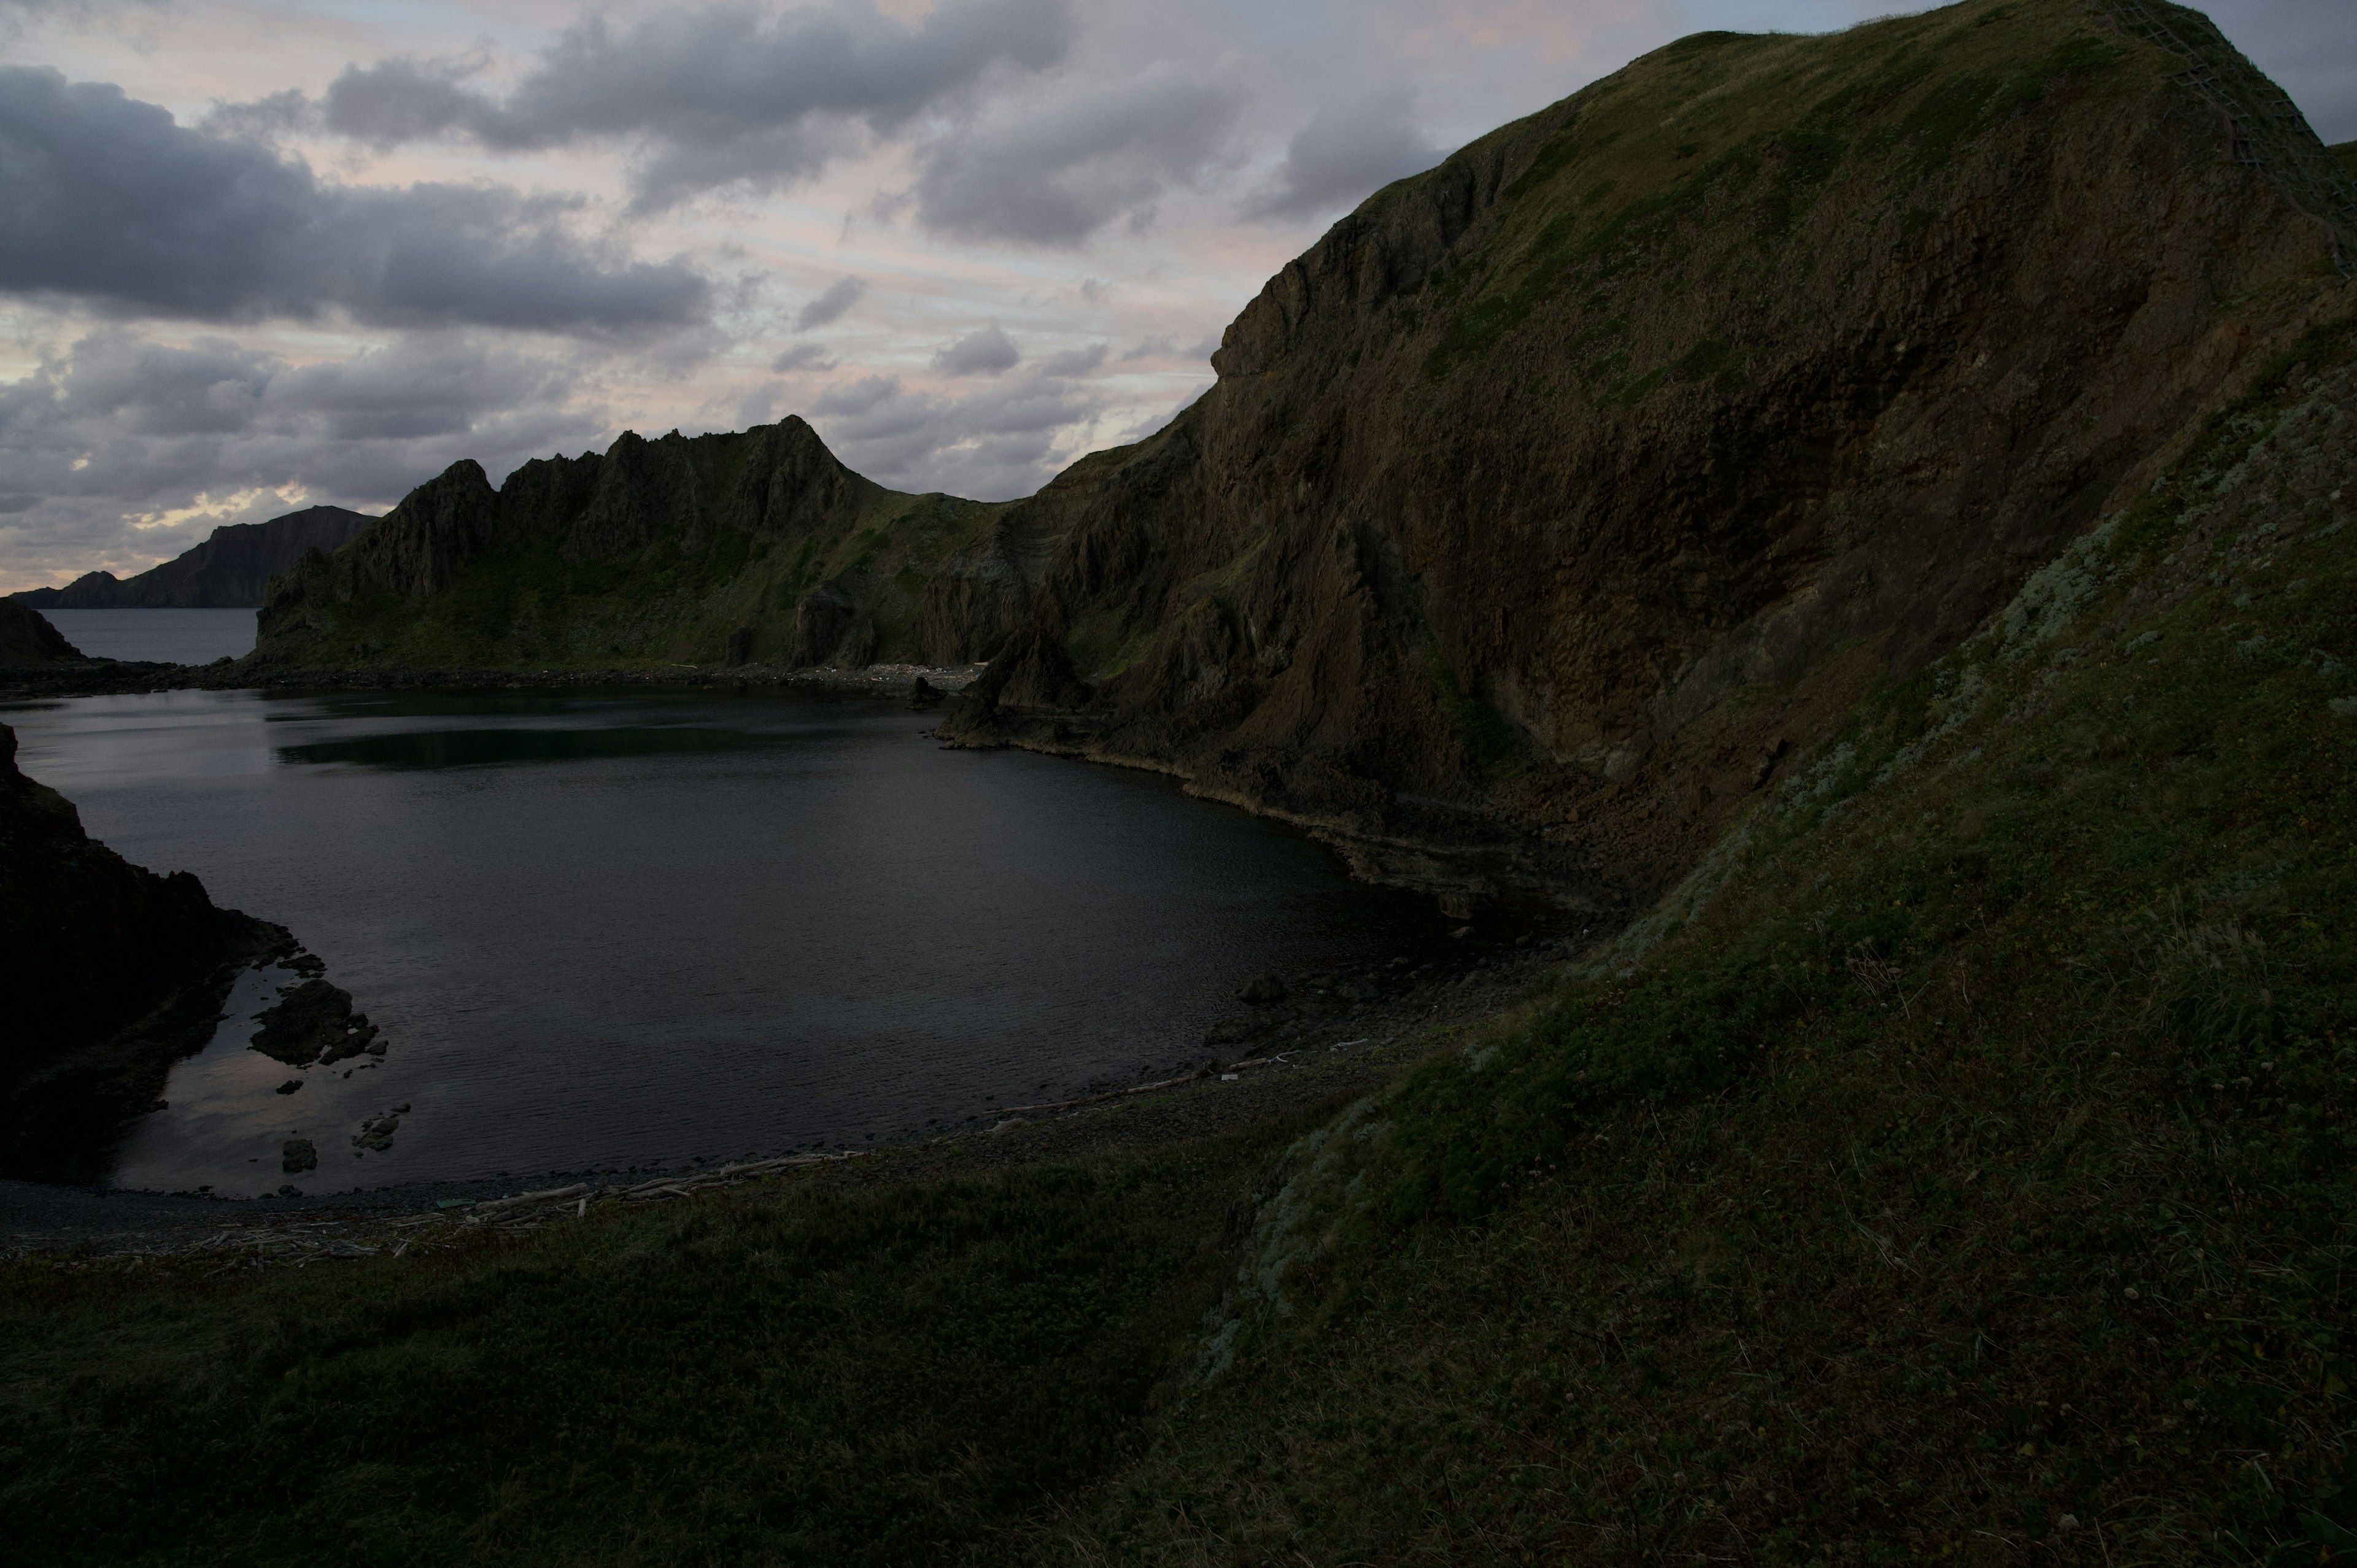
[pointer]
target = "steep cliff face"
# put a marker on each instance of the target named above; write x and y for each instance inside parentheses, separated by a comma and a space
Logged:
(110, 970)
(757, 545)
(228, 571)
(1556, 493)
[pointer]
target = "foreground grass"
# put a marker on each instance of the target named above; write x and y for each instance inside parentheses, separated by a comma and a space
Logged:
(1971, 1177)
(829, 1374)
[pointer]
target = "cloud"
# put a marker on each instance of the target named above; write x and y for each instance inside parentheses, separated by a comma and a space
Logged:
(801, 357)
(828, 308)
(714, 95)
(1348, 151)
(1161, 347)
(1003, 441)
(1054, 174)
(109, 200)
(1075, 361)
(126, 450)
(988, 352)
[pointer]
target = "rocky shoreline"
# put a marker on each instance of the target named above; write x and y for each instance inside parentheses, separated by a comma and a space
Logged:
(1326, 1037)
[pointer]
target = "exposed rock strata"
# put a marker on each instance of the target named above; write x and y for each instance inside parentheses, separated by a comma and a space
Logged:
(1556, 490)
(111, 972)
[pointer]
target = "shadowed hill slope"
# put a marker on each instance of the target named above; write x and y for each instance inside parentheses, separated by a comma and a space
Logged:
(228, 571)
(27, 637)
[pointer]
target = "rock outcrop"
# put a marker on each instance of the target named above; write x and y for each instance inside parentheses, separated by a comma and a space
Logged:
(228, 571)
(27, 639)
(1556, 490)
(111, 973)
(757, 546)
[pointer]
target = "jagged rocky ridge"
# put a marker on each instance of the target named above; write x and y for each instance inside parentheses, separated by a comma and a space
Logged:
(758, 545)
(1557, 494)
(111, 973)
(228, 571)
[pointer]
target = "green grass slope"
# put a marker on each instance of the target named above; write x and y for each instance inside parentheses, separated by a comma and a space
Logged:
(1959, 1167)
(825, 1376)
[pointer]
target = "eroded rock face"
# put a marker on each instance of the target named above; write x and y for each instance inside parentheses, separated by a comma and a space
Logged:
(1554, 490)
(110, 971)
(647, 548)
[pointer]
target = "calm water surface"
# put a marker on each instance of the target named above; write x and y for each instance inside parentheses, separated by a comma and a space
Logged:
(630, 929)
(166, 636)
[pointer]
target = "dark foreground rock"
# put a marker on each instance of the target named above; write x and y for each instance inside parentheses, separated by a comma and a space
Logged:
(27, 639)
(110, 971)
(314, 1022)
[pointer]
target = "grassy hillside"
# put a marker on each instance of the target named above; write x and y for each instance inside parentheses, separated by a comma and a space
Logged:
(1960, 1166)
(836, 1376)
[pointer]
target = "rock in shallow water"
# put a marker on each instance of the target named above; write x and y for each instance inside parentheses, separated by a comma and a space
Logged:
(314, 1022)
(298, 1155)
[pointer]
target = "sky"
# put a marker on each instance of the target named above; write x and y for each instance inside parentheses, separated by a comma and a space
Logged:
(261, 255)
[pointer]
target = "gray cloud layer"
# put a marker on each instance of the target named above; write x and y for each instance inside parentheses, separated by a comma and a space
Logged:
(1347, 152)
(988, 352)
(829, 306)
(107, 199)
(119, 425)
(714, 95)
(993, 443)
(1055, 174)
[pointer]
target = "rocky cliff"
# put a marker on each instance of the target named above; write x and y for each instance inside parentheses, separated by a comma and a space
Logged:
(1557, 494)
(27, 638)
(228, 571)
(1553, 498)
(757, 545)
(110, 970)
